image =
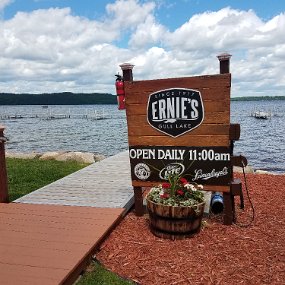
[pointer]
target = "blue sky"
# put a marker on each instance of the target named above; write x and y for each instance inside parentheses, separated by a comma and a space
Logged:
(170, 13)
(71, 45)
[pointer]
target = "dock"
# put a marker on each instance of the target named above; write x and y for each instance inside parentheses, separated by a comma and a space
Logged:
(49, 236)
(51, 115)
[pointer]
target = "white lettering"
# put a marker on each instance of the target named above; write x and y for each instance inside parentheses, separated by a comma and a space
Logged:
(183, 108)
(213, 174)
(142, 153)
(194, 112)
(175, 108)
(170, 108)
(154, 110)
(161, 107)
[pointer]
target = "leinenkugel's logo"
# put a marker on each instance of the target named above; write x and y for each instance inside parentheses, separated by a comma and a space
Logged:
(175, 111)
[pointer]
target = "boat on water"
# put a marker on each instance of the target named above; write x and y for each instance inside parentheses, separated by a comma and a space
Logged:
(261, 115)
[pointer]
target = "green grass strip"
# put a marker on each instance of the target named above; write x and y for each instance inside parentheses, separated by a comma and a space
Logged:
(27, 175)
(98, 275)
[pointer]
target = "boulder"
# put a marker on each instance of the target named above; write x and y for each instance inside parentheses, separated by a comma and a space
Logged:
(21, 155)
(247, 169)
(50, 155)
(259, 171)
(99, 157)
(77, 156)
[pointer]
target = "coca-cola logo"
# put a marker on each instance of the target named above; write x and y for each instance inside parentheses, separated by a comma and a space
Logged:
(175, 111)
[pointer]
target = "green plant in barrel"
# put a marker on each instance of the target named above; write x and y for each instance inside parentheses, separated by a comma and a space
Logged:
(175, 208)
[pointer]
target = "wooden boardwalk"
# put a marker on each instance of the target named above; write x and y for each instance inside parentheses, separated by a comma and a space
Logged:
(103, 184)
(44, 241)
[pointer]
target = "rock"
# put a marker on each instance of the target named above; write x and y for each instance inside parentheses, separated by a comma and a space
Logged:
(21, 155)
(99, 157)
(77, 156)
(50, 155)
(81, 157)
(259, 171)
(247, 169)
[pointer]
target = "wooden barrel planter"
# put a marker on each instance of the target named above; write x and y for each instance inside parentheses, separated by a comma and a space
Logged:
(174, 222)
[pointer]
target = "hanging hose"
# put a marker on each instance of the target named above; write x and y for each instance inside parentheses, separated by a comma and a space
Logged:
(250, 202)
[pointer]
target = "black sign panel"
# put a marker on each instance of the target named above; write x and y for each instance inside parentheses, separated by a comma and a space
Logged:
(204, 165)
(175, 111)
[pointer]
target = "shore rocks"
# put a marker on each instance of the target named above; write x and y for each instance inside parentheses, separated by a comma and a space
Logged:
(247, 169)
(22, 155)
(77, 156)
(50, 155)
(81, 157)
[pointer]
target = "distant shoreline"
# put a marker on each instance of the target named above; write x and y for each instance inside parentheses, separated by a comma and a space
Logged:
(69, 98)
(63, 98)
(258, 98)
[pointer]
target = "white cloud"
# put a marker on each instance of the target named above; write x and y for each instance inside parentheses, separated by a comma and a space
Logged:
(129, 13)
(54, 50)
(4, 3)
(148, 32)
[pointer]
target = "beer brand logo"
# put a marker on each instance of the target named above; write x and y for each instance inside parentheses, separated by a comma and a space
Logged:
(174, 168)
(142, 171)
(175, 111)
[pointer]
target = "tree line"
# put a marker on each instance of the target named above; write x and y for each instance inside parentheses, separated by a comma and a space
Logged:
(63, 98)
(258, 98)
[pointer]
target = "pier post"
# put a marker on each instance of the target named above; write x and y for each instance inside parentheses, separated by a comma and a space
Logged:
(3, 172)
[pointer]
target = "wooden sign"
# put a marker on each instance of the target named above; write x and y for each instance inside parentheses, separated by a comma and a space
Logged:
(179, 124)
(182, 126)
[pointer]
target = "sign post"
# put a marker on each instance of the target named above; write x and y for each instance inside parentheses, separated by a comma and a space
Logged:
(181, 126)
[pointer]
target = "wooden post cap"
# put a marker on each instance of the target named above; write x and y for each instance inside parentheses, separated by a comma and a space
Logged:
(127, 69)
(224, 56)
(127, 66)
(224, 59)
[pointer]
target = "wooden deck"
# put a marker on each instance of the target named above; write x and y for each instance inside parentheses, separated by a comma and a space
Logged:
(44, 244)
(49, 236)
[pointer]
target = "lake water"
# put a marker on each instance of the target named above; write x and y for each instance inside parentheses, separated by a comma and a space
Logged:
(262, 141)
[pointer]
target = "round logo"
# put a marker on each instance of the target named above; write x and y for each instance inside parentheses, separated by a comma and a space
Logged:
(142, 171)
(172, 168)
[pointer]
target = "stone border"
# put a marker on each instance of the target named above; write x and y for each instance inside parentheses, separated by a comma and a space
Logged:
(81, 157)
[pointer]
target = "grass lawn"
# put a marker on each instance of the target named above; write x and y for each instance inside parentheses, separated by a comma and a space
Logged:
(27, 175)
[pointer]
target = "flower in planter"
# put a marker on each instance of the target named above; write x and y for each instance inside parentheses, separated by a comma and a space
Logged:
(177, 192)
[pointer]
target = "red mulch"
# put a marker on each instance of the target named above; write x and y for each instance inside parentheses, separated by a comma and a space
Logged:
(219, 254)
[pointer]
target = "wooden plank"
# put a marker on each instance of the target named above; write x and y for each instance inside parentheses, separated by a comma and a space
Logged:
(215, 188)
(21, 274)
(197, 82)
(205, 129)
(218, 140)
(212, 118)
(140, 96)
(209, 107)
(50, 242)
